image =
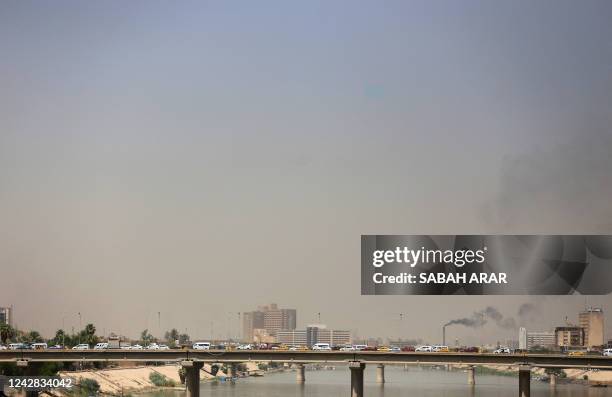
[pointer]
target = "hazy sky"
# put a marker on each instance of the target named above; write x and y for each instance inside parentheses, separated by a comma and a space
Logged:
(201, 158)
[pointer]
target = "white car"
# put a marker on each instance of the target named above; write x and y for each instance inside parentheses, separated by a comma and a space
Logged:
(126, 347)
(16, 346)
(153, 346)
(607, 352)
(136, 347)
(164, 347)
(425, 348)
(81, 346)
(347, 349)
(359, 347)
(502, 350)
(321, 346)
(101, 346)
(2, 347)
(245, 347)
(201, 346)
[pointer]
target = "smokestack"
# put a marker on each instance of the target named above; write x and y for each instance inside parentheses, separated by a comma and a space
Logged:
(444, 335)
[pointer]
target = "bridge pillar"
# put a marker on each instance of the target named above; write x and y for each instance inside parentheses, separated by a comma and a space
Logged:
(380, 373)
(29, 369)
(356, 368)
(301, 373)
(553, 380)
(231, 370)
(524, 381)
(192, 377)
(471, 372)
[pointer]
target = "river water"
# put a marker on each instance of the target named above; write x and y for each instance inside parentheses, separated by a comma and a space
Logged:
(399, 382)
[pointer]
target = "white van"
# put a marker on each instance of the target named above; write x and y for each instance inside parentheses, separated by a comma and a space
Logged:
(201, 346)
(321, 346)
(38, 346)
(607, 352)
(101, 346)
(360, 347)
(17, 346)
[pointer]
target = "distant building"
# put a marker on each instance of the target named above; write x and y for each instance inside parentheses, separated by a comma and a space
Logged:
(276, 319)
(6, 315)
(522, 341)
(569, 336)
(592, 321)
(544, 339)
(270, 318)
(316, 333)
(260, 335)
(405, 342)
(292, 338)
(610, 344)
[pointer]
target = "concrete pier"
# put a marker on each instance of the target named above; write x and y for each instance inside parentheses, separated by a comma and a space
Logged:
(524, 381)
(192, 377)
(356, 368)
(380, 374)
(471, 373)
(553, 381)
(301, 373)
(231, 370)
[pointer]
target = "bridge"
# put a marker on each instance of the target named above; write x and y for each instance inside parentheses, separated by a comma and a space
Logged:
(193, 360)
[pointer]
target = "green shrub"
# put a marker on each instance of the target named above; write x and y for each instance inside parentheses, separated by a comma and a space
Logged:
(90, 386)
(160, 380)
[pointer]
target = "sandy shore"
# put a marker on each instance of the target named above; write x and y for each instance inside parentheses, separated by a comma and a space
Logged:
(118, 381)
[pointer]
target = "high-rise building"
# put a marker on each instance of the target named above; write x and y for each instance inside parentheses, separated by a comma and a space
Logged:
(251, 321)
(522, 341)
(592, 320)
(6, 315)
(270, 318)
(543, 339)
(569, 335)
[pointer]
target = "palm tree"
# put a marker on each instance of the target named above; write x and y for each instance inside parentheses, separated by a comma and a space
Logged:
(6, 332)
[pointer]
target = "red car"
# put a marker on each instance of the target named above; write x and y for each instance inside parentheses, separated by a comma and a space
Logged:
(408, 348)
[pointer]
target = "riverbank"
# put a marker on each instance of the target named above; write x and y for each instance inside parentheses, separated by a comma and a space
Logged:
(122, 381)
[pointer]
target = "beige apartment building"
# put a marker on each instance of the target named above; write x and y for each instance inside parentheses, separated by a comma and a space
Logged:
(592, 321)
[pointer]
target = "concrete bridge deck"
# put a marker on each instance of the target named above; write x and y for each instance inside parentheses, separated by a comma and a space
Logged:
(366, 357)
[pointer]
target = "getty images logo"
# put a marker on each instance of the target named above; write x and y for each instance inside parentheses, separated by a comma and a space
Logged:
(413, 257)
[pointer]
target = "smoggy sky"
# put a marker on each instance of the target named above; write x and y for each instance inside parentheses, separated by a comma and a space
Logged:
(201, 158)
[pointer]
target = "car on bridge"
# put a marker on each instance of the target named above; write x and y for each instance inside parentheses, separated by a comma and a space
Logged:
(136, 347)
(408, 348)
(321, 346)
(101, 346)
(502, 350)
(440, 349)
(247, 346)
(577, 353)
(424, 348)
(2, 347)
(81, 346)
(38, 346)
(18, 346)
(607, 352)
(201, 346)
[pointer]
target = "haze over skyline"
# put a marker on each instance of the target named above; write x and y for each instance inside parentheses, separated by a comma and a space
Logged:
(203, 158)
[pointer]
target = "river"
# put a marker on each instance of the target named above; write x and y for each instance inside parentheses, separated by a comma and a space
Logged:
(399, 382)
